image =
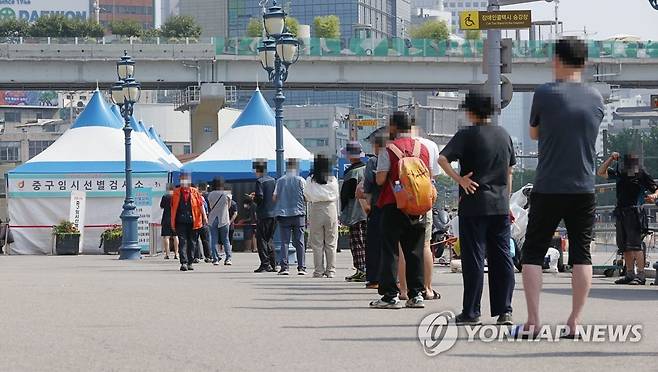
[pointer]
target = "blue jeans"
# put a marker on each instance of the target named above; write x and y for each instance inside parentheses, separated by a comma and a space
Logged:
(287, 229)
(219, 235)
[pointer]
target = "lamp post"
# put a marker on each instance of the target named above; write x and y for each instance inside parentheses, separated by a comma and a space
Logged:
(278, 51)
(124, 93)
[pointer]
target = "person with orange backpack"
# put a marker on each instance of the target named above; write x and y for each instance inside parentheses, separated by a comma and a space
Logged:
(407, 195)
(486, 156)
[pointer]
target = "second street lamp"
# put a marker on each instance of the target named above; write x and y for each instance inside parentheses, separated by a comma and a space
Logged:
(277, 53)
(125, 93)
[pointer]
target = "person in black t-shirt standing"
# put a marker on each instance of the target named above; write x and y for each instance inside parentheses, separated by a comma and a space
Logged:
(486, 156)
(633, 184)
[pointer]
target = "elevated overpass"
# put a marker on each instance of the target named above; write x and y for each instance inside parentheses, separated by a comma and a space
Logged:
(324, 64)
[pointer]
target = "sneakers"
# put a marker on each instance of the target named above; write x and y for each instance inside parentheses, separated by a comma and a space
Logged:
(301, 272)
(416, 302)
(383, 303)
(166, 257)
(270, 269)
(330, 275)
(263, 269)
(505, 319)
(359, 277)
(461, 319)
(196, 260)
(638, 281)
(317, 275)
(284, 272)
(189, 267)
(215, 263)
(228, 263)
(624, 280)
(183, 267)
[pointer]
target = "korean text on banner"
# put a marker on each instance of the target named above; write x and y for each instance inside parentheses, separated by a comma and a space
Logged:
(77, 213)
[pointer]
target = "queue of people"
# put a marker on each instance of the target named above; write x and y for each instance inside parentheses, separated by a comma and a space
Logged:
(386, 202)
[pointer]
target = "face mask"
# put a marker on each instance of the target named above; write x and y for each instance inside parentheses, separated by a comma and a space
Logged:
(246, 206)
(185, 183)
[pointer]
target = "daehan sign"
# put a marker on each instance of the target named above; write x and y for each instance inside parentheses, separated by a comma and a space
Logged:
(31, 10)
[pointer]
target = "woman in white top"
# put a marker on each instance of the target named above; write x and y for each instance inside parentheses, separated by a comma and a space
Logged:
(321, 192)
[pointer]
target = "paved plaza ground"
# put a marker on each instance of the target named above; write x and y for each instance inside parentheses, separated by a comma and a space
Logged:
(95, 313)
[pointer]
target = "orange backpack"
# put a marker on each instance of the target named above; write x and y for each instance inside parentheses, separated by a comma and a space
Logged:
(415, 193)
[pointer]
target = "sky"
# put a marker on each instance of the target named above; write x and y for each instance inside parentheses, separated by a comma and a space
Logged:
(602, 18)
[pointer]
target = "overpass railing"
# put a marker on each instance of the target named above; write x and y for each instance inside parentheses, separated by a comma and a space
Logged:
(393, 47)
(397, 47)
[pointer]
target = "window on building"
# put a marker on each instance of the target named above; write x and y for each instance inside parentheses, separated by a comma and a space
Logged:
(293, 124)
(187, 149)
(10, 151)
(36, 147)
(171, 148)
(316, 123)
(468, 5)
(316, 142)
(12, 117)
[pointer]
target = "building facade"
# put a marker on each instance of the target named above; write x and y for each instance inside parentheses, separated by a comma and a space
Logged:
(146, 12)
(322, 129)
(211, 15)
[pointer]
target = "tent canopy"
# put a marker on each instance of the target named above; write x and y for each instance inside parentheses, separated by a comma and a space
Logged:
(252, 136)
(93, 144)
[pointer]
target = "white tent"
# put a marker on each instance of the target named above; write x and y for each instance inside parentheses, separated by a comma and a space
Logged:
(89, 158)
(156, 137)
(252, 136)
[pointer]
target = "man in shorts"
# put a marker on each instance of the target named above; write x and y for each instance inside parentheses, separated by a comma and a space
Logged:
(565, 118)
(633, 184)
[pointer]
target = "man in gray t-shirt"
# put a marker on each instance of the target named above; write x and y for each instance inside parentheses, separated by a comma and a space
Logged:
(565, 118)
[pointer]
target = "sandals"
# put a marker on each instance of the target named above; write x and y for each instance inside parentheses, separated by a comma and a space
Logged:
(434, 296)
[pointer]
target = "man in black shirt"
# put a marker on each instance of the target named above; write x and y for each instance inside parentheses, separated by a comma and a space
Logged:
(486, 156)
(266, 217)
(633, 184)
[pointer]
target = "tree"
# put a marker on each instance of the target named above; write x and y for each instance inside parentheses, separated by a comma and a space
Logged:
(181, 27)
(51, 26)
(13, 27)
(432, 29)
(473, 35)
(255, 27)
(293, 25)
(126, 27)
(327, 27)
(151, 32)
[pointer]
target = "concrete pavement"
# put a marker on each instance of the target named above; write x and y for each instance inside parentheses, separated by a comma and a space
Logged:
(95, 313)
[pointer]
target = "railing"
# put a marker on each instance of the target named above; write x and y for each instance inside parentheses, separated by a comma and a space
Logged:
(394, 47)
(406, 48)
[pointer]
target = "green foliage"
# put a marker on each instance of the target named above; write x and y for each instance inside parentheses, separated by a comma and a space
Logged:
(255, 27)
(13, 27)
(126, 27)
(628, 141)
(522, 177)
(181, 27)
(432, 29)
(113, 233)
(60, 26)
(151, 32)
(473, 34)
(327, 27)
(292, 24)
(65, 227)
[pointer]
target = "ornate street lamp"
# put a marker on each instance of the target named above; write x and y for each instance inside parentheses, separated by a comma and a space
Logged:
(125, 93)
(277, 53)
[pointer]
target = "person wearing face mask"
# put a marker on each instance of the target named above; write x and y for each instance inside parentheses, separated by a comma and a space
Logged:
(167, 233)
(634, 187)
(219, 201)
(187, 218)
(248, 221)
(291, 215)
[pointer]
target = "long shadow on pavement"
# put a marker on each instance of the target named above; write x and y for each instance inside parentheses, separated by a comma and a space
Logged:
(620, 294)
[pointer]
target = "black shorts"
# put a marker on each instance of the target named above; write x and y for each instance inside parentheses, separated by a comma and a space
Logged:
(546, 212)
(629, 228)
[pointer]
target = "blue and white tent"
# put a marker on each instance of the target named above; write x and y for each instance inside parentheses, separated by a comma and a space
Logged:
(169, 156)
(252, 136)
(88, 158)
